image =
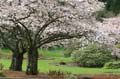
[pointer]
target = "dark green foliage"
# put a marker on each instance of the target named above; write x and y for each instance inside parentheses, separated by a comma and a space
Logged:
(113, 5)
(87, 78)
(62, 63)
(112, 8)
(92, 56)
(56, 74)
(61, 2)
(104, 14)
(1, 75)
(112, 65)
(102, 0)
(71, 76)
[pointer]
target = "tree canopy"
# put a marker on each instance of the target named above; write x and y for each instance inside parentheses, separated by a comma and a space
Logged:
(39, 22)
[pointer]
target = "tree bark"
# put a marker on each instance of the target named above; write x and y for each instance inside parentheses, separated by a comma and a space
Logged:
(17, 60)
(32, 67)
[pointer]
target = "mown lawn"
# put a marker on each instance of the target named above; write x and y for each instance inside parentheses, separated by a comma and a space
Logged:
(44, 66)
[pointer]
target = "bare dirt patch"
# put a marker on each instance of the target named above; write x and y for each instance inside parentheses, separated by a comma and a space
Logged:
(98, 76)
(16, 74)
(11, 74)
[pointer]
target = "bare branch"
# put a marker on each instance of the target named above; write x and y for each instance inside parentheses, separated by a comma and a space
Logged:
(47, 23)
(15, 20)
(25, 17)
(3, 27)
(57, 37)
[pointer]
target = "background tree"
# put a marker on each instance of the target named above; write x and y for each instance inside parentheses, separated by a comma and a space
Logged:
(11, 39)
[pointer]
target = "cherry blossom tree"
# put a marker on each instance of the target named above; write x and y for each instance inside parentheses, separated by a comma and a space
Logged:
(40, 22)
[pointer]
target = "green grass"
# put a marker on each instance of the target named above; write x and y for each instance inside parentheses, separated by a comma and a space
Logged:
(44, 66)
(52, 52)
(46, 52)
(5, 51)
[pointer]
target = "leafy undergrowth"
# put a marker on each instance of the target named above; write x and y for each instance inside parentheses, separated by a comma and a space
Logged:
(1, 74)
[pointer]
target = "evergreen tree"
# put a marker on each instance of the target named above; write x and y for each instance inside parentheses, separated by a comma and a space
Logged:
(113, 5)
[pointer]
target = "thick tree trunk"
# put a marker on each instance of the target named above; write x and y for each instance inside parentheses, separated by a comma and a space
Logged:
(17, 60)
(32, 67)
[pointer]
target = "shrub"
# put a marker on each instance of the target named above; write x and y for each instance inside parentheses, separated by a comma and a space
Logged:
(112, 65)
(67, 52)
(102, 0)
(56, 74)
(62, 63)
(92, 56)
(104, 14)
(71, 76)
(87, 78)
(1, 66)
(117, 46)
(1, 75)
(60, 75)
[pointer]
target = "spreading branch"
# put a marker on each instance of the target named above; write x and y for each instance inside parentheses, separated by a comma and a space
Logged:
(47, 23)
(17, 22)
(59, 36)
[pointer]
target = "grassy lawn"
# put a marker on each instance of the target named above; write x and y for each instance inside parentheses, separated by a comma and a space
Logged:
(44, 66)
